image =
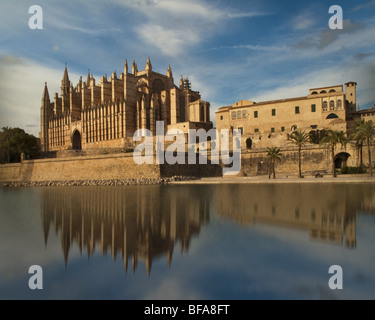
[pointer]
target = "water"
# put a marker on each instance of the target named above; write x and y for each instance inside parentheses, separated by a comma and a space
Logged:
(224, 241)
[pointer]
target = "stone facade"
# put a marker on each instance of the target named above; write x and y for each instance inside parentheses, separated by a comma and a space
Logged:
(106, 115)
(269, 123)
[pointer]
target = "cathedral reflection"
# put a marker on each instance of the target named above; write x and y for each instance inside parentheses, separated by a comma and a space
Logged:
(327, 212)
(134, 222)
(144, 223)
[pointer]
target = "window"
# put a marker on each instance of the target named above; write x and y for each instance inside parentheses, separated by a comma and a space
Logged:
(255, 114)
(339, 104)
(282, 129)
(256, 130)
(297, 109)
(273, 112)
(313, 108)
(202, 114)
(221, 117)
(272, 129)
(325, 105)
(314, 126)
(332, 116)
(239, 113)
(332, 105)
(234, 115)
(244, 113)
(240, 129)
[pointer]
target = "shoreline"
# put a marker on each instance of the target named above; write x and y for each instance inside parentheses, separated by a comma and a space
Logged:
(282, 179)
(96, 182)
(279, 180)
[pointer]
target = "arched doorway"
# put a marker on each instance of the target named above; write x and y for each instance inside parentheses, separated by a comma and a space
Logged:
(341, 159)
(76, 140)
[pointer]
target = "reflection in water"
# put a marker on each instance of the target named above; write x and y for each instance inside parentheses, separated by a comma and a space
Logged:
(145, 222)
(327, 211)
(141, 222)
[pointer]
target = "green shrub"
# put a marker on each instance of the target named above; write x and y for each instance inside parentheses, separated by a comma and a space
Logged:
(353, 170)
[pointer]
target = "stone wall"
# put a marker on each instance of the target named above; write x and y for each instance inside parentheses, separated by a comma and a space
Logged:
(312, 159)
(104, 167)
(122, 166)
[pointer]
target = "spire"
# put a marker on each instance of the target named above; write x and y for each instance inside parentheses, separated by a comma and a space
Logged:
(148, 65)
(65, 79)
(181, 83)
(169, 71)
(65, 83)
(45, 97)
(134, 68)
(88, 78)
(126, 67)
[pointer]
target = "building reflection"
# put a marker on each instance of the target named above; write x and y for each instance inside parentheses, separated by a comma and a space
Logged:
(134, 222)
(144, 223)
(328, 212)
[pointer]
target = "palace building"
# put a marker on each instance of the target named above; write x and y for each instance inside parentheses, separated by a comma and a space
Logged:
(268, 123)
(106, 115)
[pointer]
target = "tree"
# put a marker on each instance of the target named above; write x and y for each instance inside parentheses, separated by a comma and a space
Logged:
(356, 134)
(367, 132)
(316, 135)
(273, 153)
(299, 138)
(332, 138)
(13, 142)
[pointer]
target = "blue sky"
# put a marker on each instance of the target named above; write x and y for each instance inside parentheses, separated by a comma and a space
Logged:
(230, 50)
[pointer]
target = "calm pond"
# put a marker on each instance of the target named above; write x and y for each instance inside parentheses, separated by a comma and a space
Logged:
(224, 241)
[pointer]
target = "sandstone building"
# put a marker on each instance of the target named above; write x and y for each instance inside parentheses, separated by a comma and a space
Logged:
(106, 115)
(268, 123)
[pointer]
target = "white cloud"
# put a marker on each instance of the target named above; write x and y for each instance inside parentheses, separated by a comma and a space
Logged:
(21, 89)
(175, 26)
(168, 41)
(303, 21)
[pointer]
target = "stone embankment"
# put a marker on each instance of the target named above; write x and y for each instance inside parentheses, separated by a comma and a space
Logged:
(110, 182)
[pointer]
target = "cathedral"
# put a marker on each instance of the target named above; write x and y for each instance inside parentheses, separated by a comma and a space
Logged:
(106, 115)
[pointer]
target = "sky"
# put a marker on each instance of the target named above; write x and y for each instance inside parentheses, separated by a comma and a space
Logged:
(230, 50)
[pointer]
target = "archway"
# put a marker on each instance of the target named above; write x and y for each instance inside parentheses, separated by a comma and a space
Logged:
(76, 140)
(332, 116)
(341, 159)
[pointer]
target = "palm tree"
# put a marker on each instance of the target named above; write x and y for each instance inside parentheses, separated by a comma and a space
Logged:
(334, 137)
(355, 134)
(274, 154)
(299, 138)
(367, 132)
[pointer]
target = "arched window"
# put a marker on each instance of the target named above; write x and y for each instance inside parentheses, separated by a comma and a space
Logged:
(234, 115)
(332, 105)
(332, 90)
(239, 113)
(325, 106)
(339, 104)
(314, 92)
(332, 116)
(323, 91)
